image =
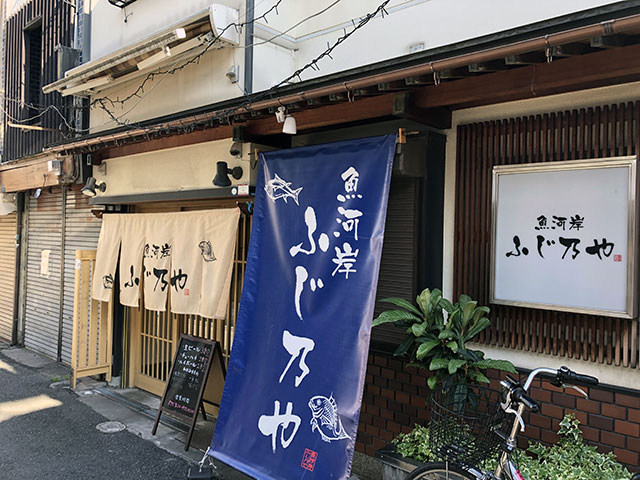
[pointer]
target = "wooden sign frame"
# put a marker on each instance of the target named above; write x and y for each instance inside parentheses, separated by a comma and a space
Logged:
(192, 419)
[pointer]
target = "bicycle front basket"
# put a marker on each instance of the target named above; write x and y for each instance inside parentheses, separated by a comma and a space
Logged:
(462, 425)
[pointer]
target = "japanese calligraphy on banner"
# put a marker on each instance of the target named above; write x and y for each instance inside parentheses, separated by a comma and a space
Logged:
(564, 236)
(189, 253)
(292, 396)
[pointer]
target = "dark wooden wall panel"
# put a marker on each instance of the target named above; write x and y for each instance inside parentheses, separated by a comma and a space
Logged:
(57, 28)
(608, 131)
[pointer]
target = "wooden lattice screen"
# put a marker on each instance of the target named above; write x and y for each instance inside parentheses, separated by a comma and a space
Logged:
(92, 324)
(579, 134)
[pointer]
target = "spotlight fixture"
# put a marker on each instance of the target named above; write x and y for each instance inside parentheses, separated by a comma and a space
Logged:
(281, 114)
(222, 174)
(289, 126)
(236, 149)
(91, 186)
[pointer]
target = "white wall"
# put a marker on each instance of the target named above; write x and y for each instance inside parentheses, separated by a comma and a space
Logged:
(574, 100)
(431, 23)
(434, 23)
(182, 168)
(110, 32)
(13, 6)
(196, 85)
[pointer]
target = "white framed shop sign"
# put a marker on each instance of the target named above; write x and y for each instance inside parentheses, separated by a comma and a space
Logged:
(564, 236)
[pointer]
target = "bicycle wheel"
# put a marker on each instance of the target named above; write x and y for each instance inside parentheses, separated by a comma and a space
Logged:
(439, 471)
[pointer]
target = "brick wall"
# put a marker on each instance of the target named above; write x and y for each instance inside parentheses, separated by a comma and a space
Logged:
(394, 401)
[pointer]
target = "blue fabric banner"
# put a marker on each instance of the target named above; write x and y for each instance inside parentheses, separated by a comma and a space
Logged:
(294, 386)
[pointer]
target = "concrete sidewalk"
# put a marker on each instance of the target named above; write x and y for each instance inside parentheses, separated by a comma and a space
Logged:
(50, 431)
(135, 452)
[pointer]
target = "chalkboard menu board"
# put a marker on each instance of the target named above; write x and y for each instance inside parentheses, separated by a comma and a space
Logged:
(183, 395)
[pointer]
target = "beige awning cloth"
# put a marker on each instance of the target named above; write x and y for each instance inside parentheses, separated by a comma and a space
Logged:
(189, 253)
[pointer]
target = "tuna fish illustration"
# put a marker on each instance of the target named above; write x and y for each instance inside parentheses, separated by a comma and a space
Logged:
(325, 419)
(277, 188)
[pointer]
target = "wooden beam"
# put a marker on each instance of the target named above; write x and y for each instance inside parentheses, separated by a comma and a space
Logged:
(392, 86)
(525, 59)
(404, 107)
(28, 177)
(346, 112)
(487, 67)
(173, 141)
(455, 73)
(422, 80)
(323, 116)
(593, 70)
(570, 50)
(610, 41)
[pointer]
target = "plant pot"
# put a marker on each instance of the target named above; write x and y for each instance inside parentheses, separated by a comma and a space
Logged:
(394, 465)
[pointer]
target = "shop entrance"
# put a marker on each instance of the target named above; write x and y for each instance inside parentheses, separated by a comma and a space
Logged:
(153, 336)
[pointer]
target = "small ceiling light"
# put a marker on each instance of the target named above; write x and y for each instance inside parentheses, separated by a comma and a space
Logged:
(91, 186)
(222, 174)
(281, 114)
(181, 33)
(290, 126)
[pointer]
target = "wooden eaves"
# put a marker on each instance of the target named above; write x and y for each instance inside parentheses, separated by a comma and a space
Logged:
(561, 61)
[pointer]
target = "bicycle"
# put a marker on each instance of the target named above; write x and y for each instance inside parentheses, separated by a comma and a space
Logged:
(514, 403)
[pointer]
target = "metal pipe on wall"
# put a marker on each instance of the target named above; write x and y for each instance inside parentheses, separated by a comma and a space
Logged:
(15, 333)
(248, 51)
(63, 227)
(22, 284)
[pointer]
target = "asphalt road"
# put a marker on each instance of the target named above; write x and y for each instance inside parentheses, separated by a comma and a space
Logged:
(46, 433)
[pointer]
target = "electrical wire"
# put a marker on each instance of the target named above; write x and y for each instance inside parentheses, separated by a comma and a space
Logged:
(227, 113)
(273, 91)
(255, 44)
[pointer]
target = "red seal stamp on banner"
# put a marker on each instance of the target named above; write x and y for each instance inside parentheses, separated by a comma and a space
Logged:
(186, 291)
(309, 459)
(617, 258)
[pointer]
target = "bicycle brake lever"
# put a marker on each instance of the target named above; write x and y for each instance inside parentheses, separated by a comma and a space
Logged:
(511, 410)
(584, 394)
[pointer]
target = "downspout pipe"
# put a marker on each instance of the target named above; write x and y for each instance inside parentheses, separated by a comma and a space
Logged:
(619, 26)
(248, 51)
(63, 228)
(20, 201)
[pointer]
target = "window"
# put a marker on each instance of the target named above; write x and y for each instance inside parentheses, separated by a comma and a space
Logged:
(33, 71)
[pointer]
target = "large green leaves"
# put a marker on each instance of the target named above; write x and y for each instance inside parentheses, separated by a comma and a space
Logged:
(437, 335)
(438, 363)
(425, 348)
(392, 316)
(423, 300)
(478, 376)
(404, 346)
(402, 303)
(480, 325)
(505, 365)
(455, 364)
(418, 329)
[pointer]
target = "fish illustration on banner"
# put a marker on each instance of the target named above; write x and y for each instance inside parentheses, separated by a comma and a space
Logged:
(325, 418)
(295, 380)
(277, 188)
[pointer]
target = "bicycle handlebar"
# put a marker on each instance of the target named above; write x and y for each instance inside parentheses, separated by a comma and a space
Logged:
(520, 396)
(562, 376)
(567, 376)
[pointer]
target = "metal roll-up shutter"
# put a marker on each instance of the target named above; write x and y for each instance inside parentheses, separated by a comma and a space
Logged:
(82, 230)
(8, 228)
(42, 294)
(399, 262)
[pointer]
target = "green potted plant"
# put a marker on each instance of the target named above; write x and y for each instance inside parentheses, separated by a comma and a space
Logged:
(438, 333)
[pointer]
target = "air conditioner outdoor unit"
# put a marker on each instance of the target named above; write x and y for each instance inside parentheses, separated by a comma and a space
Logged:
(68, 58)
